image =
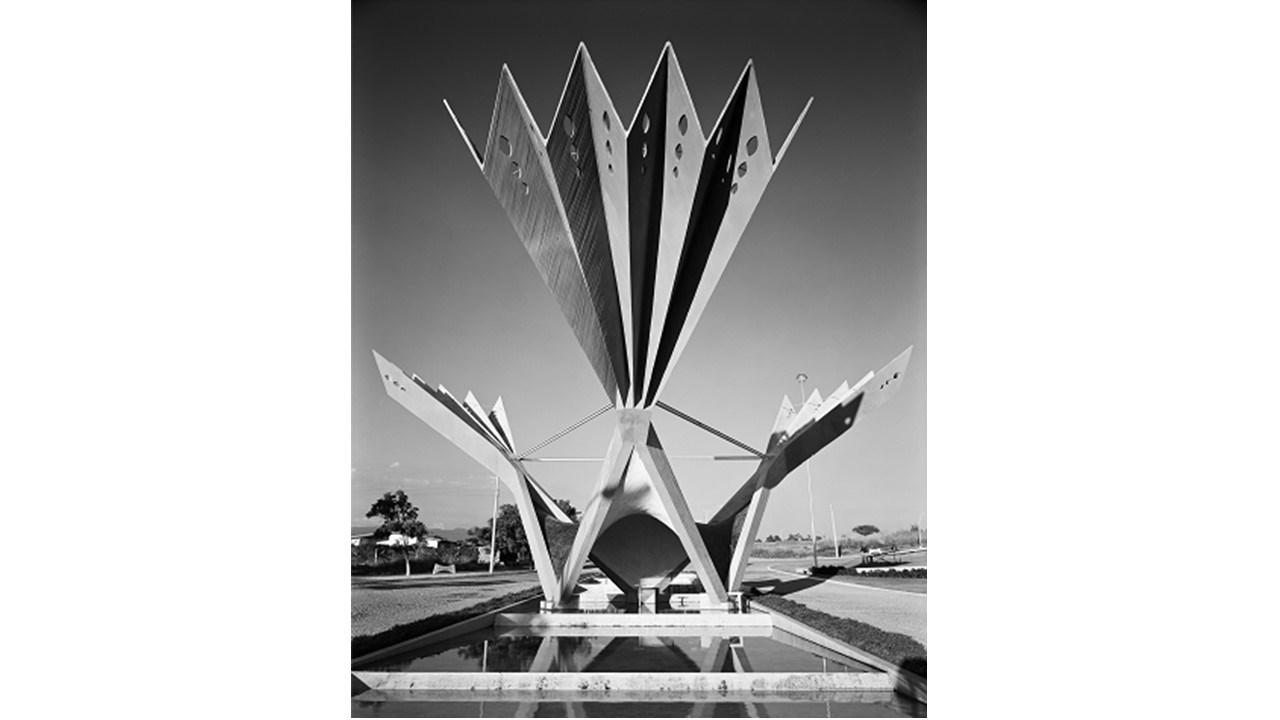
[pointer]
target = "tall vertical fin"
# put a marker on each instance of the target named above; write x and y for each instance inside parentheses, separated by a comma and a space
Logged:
(572, 150)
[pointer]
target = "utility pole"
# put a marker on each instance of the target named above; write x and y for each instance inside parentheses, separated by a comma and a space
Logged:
(813, 529)
(835, 534)
(920, 529)
(493, 529)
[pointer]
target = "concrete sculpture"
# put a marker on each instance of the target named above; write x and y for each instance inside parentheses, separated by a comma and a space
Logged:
(631, 228)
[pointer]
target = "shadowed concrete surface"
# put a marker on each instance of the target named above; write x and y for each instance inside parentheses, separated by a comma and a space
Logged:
(892, 611)
(379, 603)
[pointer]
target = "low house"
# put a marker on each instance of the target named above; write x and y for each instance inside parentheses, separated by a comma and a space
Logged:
(398, 540)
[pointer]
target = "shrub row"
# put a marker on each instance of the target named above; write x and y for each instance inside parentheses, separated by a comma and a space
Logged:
(892, 573)
(899, 649)
(831, 570)
(365, 644)
(395, 566)
(422, 559)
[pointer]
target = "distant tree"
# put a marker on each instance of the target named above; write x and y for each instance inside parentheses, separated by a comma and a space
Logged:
(512, 545)
(568, 509)
(865, 530)
(479, 535)
(773, 539)
(398, 516)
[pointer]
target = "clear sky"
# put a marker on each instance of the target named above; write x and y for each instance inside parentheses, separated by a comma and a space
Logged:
(829, 277)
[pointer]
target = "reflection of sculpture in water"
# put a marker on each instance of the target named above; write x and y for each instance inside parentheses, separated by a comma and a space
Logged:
(515, 653)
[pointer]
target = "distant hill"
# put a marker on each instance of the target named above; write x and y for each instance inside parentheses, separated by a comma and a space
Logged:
(454, 534)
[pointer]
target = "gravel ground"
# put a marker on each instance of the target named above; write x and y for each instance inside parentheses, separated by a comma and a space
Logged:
(378, 603)
(893, 611)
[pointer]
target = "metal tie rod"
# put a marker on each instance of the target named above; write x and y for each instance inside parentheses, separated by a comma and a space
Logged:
(694, 421)
(525, 455)
(669, 457)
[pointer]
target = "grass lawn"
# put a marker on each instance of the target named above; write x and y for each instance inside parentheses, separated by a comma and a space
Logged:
(897, 648)
(380, 603)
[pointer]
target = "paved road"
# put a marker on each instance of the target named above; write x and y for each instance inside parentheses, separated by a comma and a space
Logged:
(886, 609)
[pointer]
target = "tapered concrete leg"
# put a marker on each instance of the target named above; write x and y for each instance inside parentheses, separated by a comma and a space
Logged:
(548, 648)
(612, 474)
(740, 662)
(716, 655)
(668, 489)
(747, 538)
(533, 532)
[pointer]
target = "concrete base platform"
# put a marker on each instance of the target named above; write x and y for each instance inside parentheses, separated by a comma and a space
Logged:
(623, 687)
(640, 631)
(725, 621)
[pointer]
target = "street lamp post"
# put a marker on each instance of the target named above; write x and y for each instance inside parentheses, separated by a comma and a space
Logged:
(813, 525)
(835, 534)
(493, 529)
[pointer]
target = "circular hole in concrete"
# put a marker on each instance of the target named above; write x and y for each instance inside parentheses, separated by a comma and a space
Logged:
(504, 145)
(683, 124)
(742, 170)
(679, 151)
(568, 126)
(608, 125)
(644, 123)
(752, 145)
